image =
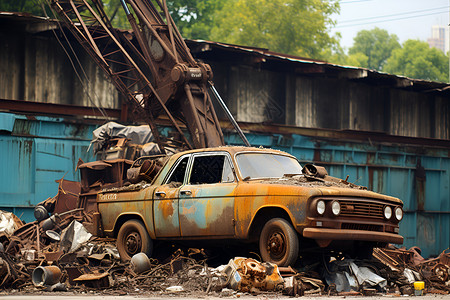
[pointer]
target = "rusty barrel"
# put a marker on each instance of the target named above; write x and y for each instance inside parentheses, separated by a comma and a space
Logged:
(49, 275)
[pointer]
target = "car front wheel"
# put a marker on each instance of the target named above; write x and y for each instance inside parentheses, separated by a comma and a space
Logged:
(278, 243)
(132, 239)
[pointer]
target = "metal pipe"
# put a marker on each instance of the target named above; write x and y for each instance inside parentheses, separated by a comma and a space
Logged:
(46, 275)
(38, 240)
(229, 115)
(125, 7)
(197, 137)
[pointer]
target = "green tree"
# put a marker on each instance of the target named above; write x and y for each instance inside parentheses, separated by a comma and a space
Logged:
(377, 45)
(194, 18)
(358, 59)
(417, 60)
(116, 14)
(28, 6)
(298, 27)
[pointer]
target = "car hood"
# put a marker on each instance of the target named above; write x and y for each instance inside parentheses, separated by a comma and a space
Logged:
(312, 187)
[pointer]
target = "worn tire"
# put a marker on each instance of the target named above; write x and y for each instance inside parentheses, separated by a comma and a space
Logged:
(278, 243)
(133, 238)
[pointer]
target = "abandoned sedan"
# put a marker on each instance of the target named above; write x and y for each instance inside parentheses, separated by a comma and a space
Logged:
(251, 195)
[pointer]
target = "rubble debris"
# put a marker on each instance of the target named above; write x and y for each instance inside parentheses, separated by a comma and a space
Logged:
(69, 258)
(250, 275)
(300, 285)
(407, 266)
(113, 140)
(175, 289)
(74, 236)
(9, 223)
(94, 280)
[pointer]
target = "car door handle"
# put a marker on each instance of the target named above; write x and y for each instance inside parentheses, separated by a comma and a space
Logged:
(186, 192)
(160, 194)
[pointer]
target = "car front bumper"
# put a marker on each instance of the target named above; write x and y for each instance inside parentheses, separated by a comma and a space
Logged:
(355, 235)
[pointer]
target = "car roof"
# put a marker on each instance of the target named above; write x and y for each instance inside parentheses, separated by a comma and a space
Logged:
(233, 150)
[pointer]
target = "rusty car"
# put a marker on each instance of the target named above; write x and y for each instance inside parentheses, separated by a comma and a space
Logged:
(244, 194)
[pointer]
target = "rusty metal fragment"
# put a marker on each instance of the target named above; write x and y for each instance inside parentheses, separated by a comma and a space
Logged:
(94, 280)
(435, 271)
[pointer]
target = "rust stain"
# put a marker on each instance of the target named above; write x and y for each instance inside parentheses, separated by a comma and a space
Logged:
(209, 209)
(371, 179)
(317, 156)
(28, 146)
(166, 209)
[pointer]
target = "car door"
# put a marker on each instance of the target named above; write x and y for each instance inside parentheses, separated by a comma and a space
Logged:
(165, 204)
(206, 205)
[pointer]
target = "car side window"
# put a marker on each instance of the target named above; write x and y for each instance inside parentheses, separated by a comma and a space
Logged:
(227, 174)
(211, 169)
(177, 177)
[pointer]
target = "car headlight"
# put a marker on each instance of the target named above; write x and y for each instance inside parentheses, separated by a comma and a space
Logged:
(320, 208)
(387, 212)
(335, 208)
(398, 213)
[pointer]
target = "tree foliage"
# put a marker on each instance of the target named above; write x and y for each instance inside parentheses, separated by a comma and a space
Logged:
(116, 14)
(417, 60)
(376, 44)
(28, 6)
(298, 27)
(194, 18)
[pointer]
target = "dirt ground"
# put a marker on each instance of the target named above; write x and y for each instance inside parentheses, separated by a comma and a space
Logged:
(71, 296)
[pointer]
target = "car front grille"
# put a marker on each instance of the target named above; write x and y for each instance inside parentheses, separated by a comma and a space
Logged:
(365, 209)
(368, 227)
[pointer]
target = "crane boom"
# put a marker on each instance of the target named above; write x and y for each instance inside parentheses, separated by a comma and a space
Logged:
(154, 69)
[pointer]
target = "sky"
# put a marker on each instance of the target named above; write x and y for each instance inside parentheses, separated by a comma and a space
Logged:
(408, 19)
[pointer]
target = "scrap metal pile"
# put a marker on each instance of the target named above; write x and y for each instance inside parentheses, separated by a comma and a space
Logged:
(59, 254)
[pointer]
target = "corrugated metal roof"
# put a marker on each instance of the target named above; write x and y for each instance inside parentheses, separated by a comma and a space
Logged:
(406, 82)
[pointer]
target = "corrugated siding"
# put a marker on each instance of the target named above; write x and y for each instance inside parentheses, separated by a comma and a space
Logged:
(442, 117)
(259, 95)
(10, 66)
(34, 67)
(264, 102)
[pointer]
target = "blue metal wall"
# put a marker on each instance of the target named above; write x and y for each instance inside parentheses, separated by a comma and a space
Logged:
(34, 152)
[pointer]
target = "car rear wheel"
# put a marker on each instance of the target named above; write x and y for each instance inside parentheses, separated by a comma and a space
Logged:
(278, 243)
(132, 239)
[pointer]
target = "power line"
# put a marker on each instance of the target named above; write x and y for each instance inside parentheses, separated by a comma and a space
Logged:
(394, 15)
(390, 20)
(354, 1)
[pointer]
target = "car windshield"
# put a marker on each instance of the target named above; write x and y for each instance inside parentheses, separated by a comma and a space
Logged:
(266, 165)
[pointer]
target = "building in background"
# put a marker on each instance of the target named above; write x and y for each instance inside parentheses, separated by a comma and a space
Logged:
(439, 38)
